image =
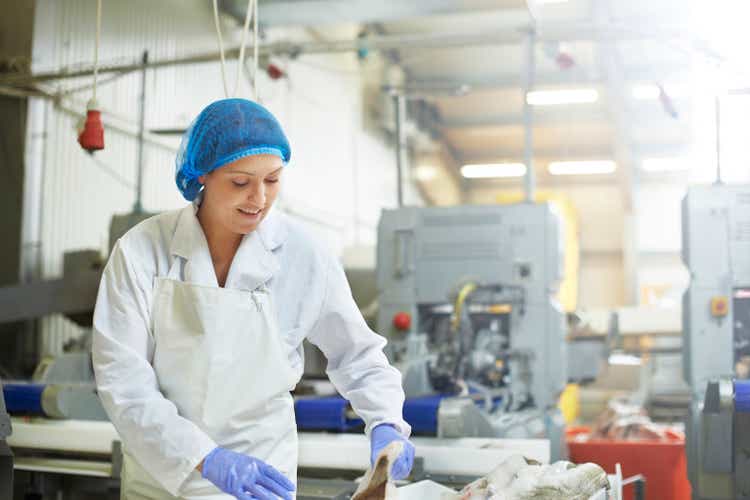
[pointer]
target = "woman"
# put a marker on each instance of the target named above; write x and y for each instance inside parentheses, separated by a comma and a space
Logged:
(200, 319)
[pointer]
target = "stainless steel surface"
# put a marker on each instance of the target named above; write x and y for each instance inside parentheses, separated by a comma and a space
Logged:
(5, 427)
(73, 294)
(742, 455)
(717, 432)
(329, 489)
(585, 357)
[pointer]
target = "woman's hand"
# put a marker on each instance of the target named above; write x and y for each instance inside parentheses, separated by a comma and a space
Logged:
(385, 434)
(244, 476)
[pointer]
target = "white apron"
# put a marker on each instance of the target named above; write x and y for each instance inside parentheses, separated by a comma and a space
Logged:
(219, 358)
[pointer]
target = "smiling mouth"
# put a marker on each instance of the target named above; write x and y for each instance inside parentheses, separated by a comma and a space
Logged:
(251, 213)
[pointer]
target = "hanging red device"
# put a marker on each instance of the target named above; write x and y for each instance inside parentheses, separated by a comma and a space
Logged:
(274, 72)
(91, 138)
(91, 135)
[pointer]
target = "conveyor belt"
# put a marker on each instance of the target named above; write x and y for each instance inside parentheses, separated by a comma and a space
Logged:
(51, 400)
(742, 396)
(421, 413)
(330, 413)
(24, 398)
(335, 414)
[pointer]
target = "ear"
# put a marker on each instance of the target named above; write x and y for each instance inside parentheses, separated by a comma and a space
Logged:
(202, 179)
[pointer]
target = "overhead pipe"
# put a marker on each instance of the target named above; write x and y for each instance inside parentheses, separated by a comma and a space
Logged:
(571, 32)
(138, 206)
(399, 105)
(528, 117)
(717, 118)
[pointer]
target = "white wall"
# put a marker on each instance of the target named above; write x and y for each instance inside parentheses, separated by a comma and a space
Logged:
(341, 174)
(600, 211)
(660, 275)
(339, 178)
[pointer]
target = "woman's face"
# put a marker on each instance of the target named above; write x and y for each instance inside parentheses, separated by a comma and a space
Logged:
(240, 194)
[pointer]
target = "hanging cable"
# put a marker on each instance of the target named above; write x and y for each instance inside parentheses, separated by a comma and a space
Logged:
(221, 48)
(245, 27)
(251, 6)
(96, 44)
(91, 131)
(255, 51)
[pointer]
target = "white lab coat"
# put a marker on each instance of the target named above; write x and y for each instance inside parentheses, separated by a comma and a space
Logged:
(313, 301)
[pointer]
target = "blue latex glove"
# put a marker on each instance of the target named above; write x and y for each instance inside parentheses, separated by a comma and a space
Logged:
(383, 435)
(245, 477)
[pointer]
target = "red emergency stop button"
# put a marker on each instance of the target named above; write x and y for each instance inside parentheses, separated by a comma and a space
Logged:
(402, 321)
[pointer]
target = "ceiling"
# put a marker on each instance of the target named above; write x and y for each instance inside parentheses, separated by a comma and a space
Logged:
(611, 46)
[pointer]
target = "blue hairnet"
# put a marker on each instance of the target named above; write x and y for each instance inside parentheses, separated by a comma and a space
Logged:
(223, 132)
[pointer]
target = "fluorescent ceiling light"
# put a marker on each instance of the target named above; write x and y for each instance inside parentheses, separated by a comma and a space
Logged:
(665, 164)
(650, 91)
(562, 96)
(490, 170)
(582, 167)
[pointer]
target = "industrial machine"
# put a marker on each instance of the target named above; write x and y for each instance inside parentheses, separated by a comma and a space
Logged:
(6, 456)
(716, 329)
(62, 387)
(467, 301)
(73, 294)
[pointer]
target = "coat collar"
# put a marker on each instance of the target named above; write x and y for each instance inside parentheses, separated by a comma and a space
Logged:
(273, 230)
(253, 264)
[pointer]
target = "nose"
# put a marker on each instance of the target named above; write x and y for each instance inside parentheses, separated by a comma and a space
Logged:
(257, 194)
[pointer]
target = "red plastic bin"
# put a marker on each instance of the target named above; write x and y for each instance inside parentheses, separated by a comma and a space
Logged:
(662, 463)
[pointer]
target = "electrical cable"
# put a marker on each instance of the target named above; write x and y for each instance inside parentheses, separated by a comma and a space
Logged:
(252, 6)
(96, 45)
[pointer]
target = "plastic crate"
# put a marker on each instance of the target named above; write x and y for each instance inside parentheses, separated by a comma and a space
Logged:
(662, 463)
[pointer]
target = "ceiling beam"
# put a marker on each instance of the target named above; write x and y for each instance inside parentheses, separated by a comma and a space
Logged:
(322, 12)
(434, 41)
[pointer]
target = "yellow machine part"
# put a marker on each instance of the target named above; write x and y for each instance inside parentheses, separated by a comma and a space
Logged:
(570, 404)
(567, 296)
